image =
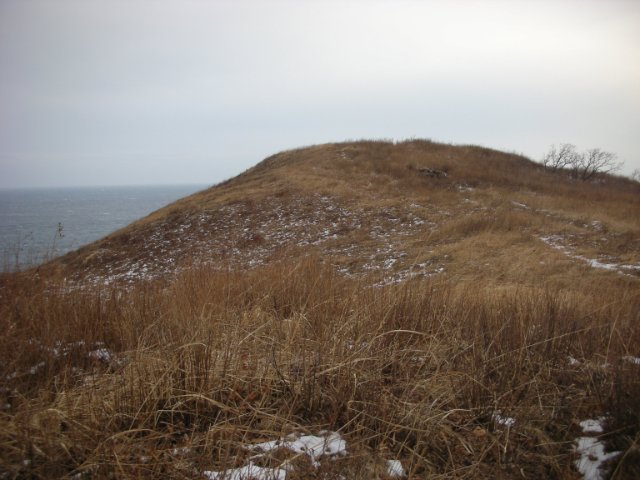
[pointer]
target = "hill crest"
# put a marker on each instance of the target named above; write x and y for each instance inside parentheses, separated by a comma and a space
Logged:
(395, 210)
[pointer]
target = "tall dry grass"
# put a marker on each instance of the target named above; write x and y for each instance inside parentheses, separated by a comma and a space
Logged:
(175, 377)
(218, 360)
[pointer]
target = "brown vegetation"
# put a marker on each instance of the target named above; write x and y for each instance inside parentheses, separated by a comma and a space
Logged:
(217, 361)
(352, 201)
(412, 314)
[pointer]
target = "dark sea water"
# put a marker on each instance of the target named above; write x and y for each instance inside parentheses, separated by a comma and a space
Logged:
(37, 224)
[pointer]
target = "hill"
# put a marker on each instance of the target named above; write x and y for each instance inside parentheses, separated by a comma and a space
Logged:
(351, 310)
(403, 210)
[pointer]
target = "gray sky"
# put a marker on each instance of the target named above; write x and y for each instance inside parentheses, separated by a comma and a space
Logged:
(155, 92)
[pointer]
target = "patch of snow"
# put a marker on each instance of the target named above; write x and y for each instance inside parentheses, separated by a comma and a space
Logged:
(597, 264)
(592, 457)
(330, 444)
(592, 426)
(181, 451)
(630, 267)
(63, 349)
(389, 262)
(555, 241)
(89, 380)
(521, 205)
(31, 371)
(101, 354)
(591, 451)
(394, 469)
(248, 472)
(500, 420)
(424, 269)
(634, 360)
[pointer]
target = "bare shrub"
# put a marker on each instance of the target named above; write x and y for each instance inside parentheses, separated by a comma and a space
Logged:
(596, 161)
(561, 157)
(585, 165)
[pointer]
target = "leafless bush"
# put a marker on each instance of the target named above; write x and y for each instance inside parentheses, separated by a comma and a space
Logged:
(596, 161)
(583, 165)
(558, 158)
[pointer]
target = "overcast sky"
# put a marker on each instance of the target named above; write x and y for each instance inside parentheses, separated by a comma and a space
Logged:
(164, 92)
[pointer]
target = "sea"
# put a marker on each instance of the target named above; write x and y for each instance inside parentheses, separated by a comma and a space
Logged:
(39, 224)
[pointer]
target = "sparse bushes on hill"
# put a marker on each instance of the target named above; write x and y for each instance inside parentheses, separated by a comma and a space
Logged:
(585, 165)
(595, 161)
(561, 157)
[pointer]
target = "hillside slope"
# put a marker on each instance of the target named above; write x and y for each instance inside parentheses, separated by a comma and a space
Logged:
(404, 210)
(363, 310)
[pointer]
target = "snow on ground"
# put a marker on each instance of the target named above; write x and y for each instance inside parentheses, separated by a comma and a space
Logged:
(30, 371)
(325, 445)
(634, 360)
(394, 469)
(573, 361)
(99, 351)
(248, 472)
(591, 450)
(557, 242)
(242, 234)
(328, 444)
(102, 354)
(503, 420)
(592, 426)
(592, 457)
(598, 264)
(61, 350)
(424, 270)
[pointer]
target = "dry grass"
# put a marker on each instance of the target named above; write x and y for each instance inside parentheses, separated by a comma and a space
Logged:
(251, 219)
(351, 201)
(216, 361)
(259, 316)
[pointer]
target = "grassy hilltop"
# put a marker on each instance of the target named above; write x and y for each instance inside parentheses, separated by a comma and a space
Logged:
(454, 310)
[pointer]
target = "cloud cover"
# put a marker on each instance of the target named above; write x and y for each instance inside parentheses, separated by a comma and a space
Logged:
(144, 92)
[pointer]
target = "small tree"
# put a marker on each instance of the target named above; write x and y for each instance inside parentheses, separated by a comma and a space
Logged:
(581, 165)
(564, 156)
(596, 161)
